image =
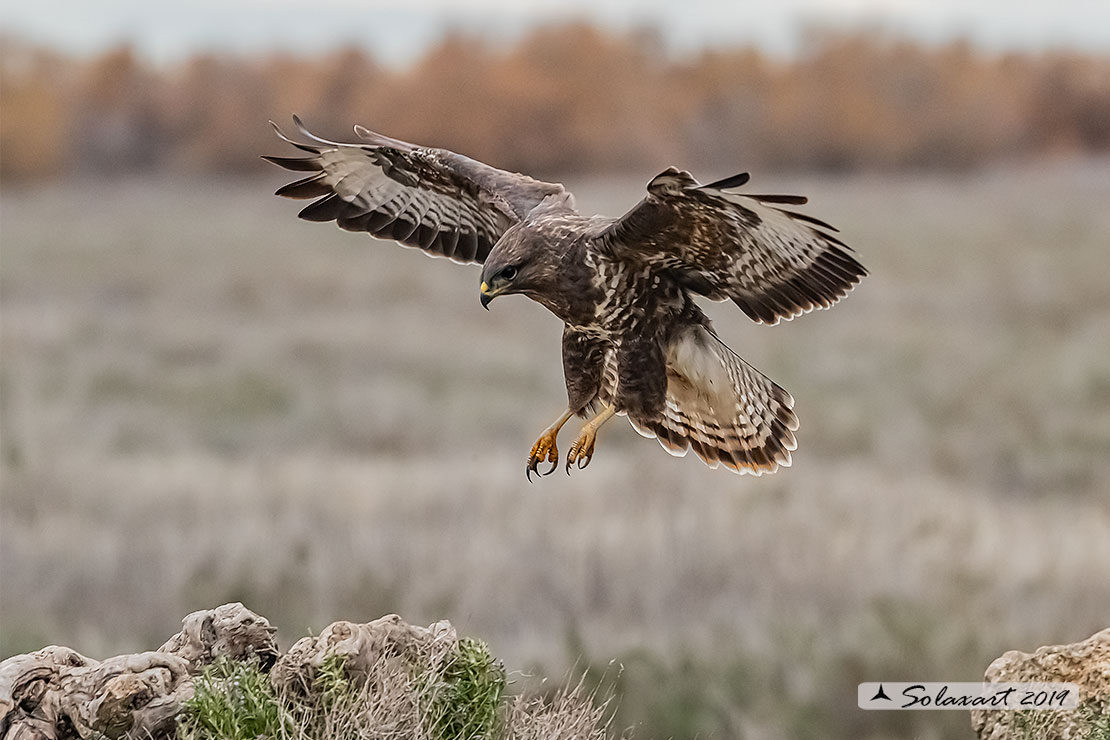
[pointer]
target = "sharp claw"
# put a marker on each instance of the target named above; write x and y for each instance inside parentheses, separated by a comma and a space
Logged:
(533, 465)
(579, 455)
(543, 451)
(553, 458)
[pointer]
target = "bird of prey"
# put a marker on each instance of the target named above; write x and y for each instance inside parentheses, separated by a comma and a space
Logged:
(635, 343)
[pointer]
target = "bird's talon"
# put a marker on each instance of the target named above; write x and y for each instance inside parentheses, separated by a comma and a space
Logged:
(580, 452)
(543, 451)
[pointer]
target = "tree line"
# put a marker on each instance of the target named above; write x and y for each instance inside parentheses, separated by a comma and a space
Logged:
(569, 98)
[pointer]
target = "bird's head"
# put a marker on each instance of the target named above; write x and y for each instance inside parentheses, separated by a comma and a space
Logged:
(518, 263)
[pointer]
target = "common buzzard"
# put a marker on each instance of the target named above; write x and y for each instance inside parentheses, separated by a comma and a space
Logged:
(635, 342)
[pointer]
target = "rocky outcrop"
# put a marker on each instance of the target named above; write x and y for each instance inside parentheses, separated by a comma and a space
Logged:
(58, 694)
(229, 631)
(363, 648)
(380, 679)
(1086, 663)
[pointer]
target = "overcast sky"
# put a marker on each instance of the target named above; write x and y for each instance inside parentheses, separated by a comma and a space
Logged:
(398, 31)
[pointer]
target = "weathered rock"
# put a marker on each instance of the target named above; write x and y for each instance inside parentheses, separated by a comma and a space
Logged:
(59, 694)
(1086, 663)
(362, 647)
(231, 631)
(28, 692)
(418, 682)
(135, 695)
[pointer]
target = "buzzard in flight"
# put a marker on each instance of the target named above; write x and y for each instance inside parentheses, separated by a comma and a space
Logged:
(635, 342)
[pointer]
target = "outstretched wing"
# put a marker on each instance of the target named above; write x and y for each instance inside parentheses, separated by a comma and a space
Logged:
(432, 199)
(774, 263)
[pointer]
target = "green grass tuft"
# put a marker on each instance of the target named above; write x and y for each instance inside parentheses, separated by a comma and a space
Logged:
(332, 683)
(464, 698)
(1091, 719)
(232, 701)
(460, 697)
(1095, 715)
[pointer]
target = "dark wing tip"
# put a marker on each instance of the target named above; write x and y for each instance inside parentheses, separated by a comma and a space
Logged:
(375, 139)
(302, 128)
(312, 186)
(326, 209)
(297, 164)
(815, 221)
(821, 284)
(729, 182)
(287, 140)
(305, 132)
(794, 200)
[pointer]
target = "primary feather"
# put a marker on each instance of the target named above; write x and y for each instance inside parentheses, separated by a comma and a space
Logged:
(773, 263)
(432, 199)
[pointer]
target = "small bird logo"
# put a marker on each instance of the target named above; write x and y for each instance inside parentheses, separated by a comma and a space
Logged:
(880, 694)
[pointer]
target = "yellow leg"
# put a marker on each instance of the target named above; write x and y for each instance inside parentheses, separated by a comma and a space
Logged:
(582, 451)
(545, 447)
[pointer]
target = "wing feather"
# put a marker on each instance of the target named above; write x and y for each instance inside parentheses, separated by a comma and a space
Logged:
(312, 186)
(432, 199)
(772, 262)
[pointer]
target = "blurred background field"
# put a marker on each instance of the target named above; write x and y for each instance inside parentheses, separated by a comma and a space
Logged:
(203, 399)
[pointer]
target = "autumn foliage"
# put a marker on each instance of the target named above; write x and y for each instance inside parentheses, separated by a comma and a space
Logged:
(565, 98)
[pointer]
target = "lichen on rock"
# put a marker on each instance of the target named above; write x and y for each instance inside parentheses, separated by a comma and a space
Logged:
(1086, 663)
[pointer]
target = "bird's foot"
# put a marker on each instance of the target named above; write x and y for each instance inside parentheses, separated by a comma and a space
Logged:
(543, 450)
(582, 451)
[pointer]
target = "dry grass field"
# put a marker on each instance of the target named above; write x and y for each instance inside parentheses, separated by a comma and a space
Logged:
(205, 400)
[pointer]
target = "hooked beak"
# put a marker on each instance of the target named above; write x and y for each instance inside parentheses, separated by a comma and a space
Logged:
(488, 295)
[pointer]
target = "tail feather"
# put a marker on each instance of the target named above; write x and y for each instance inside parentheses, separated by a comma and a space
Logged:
(722, 408)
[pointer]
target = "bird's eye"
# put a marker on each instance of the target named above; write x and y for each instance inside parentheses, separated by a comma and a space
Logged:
(509, 272)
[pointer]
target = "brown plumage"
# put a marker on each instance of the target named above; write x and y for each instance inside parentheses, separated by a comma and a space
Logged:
(635, 343)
